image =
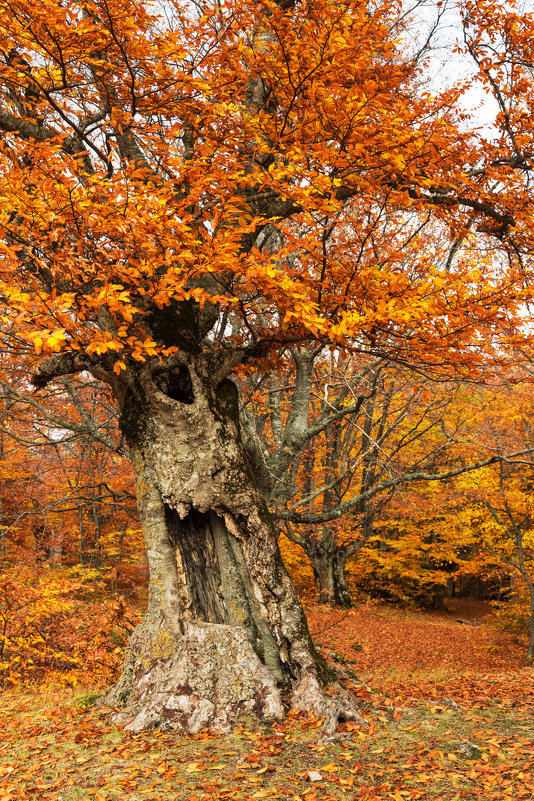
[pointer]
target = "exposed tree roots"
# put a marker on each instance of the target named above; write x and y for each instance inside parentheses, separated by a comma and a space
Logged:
(211, 678)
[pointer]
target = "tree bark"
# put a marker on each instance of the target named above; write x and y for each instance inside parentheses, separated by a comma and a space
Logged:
(329, 572)
(224, 634)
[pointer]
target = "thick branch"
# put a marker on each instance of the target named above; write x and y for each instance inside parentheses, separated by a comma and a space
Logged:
(28, 130)
(62, 364)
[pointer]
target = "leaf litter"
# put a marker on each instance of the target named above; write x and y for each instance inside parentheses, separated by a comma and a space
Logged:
(435, 734)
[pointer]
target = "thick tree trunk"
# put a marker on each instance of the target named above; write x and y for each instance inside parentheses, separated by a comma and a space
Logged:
(329, 572)
(224, 633)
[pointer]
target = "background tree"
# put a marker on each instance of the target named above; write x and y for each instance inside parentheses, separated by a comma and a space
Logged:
(77, 472)
(494, 506)
(469, 535)
(335, 439)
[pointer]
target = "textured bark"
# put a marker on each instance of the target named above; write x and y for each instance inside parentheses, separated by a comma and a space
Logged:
(224, 633)
(329, 573)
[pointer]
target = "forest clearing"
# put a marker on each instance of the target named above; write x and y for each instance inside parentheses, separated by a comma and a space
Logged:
(449, 712)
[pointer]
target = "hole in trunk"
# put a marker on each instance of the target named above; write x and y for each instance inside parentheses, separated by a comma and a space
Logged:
(176, 384)
(215, 579)
(193, 538)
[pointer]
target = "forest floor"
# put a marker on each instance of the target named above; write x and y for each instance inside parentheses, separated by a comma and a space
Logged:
(450, 707)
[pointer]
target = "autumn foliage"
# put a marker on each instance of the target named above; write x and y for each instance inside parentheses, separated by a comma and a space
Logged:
(253, 248)
(143, 167)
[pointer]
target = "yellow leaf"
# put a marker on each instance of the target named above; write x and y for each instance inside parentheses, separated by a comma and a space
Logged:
(423, 777)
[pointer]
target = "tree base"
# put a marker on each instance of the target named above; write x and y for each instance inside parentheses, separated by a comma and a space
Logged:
(209, 678)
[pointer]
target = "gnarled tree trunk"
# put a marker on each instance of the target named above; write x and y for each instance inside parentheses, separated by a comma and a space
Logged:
(224, 633)
(329, 572)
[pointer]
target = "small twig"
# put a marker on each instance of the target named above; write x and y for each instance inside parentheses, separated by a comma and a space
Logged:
(330, 625)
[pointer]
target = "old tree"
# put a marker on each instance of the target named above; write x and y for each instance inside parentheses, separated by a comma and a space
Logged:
(188, 191)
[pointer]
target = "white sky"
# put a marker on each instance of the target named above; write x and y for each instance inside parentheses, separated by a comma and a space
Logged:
(446, 67)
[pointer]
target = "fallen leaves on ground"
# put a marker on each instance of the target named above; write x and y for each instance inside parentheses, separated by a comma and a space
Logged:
(435, 736)
(388, 642)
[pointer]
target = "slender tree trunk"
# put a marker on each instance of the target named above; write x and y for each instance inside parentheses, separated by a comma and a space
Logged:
(119, 559)
(530, 650)
(224, 633)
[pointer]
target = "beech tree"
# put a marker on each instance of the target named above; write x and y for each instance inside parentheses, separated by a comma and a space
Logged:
(334, 439)
(331, 440)
(292, 431)
(185, 190)
(404, 432)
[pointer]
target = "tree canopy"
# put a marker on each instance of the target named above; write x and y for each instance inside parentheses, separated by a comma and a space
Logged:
(271, 173)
